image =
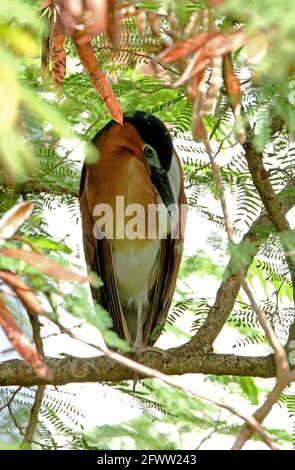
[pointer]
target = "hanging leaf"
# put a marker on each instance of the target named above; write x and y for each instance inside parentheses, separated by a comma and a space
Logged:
(113, 26)
(141, 20)
(14, 219)
(182, 48)
(211, 44)
(46, 266)
(22, 344)
(154, 21)
(58, 59)
(231, 81)
(233, 88)
(23, 292)
(98, 79)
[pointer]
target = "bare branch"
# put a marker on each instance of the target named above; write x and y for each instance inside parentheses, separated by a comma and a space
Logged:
(31, 428)
(182, 360)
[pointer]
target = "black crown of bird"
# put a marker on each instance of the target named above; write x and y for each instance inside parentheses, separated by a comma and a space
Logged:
(136, 160)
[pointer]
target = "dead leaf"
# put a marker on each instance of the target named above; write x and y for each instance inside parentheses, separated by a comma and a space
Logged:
(58, 58)
(45, 266)
(23, 292)
(154, 22)
(233, 88)
(141, 22)
(14, 219)
(182, 48)
(98, 79)
(113, 26)
(210, 45)
(231, 81)
(22, 344)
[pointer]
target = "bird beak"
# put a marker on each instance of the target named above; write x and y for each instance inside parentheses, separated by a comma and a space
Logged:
(161, 181)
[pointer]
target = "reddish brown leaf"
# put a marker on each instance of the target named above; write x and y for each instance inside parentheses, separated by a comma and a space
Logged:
(231, 81)
(199, 102)
(23, 292)
(211, 45)
(14, 219)
(113, 27)
(197, 64)
(141, 22)
(90, 17)
(215, 47)
(154, 22)
(215, 3)
(58, 58)
(46, 266)
(98, 79)
(193, 88)
(182, 48)
(22, 344)
(233, 88)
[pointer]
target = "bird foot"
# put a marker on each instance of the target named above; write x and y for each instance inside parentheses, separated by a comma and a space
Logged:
(156, 350)
(140, 351)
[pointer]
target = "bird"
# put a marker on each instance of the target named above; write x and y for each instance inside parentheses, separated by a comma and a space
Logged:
(136, 164)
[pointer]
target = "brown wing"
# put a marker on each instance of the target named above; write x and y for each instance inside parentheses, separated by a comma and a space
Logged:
(169, 262)
(99, 258)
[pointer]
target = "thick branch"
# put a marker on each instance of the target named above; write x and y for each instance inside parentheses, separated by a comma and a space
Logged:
(181, 360)
(273, 206)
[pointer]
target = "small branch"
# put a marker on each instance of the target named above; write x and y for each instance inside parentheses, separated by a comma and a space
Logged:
(36, 327)
(138, 54)
(31, 428)
(7, 405)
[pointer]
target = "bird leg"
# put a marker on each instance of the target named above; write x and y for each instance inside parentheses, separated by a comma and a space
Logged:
(138, 347)
(138, 343)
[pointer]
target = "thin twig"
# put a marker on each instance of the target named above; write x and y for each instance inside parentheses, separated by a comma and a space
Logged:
(31, 428)
(11, 399)
(138, 54)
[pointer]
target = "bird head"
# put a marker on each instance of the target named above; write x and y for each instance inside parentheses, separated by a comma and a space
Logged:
(157, 150)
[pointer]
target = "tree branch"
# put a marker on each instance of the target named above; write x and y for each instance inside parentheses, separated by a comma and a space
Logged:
(182, 360)
(33, 421)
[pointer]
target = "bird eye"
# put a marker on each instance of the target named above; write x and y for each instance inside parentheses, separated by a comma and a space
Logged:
(148, 151)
